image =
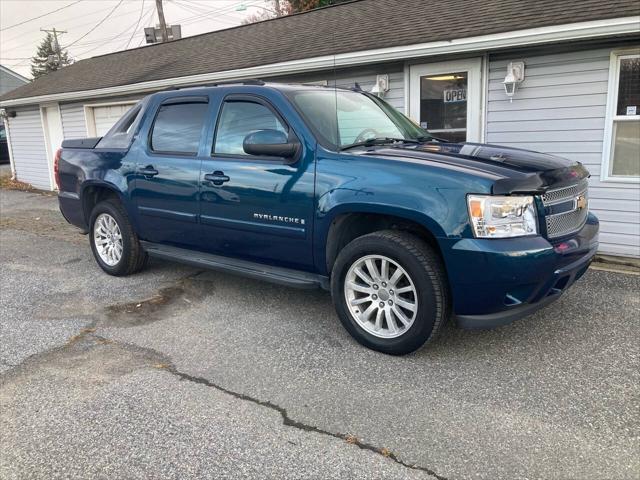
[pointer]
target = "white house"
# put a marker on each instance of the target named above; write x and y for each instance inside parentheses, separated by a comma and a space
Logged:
(10, 80)
(574, 65)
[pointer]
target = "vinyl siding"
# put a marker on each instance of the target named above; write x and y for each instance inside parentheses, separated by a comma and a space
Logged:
(74, 123)
(560, 109)
(365, 77)
(28, 147)
(395, 95)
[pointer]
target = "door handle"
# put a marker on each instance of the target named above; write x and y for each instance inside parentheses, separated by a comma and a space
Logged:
(217, 178)
(148, 171)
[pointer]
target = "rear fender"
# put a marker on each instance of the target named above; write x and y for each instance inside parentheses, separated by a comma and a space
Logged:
(88, 200)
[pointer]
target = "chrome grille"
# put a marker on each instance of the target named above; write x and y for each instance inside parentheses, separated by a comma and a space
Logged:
(563, 194)
(574, 218)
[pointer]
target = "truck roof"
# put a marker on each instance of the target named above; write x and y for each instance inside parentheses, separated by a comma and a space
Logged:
(257, 83)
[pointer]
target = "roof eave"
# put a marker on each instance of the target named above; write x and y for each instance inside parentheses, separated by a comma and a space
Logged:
(533, 36)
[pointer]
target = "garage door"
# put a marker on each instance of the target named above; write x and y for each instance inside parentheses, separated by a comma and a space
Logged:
(105, 117)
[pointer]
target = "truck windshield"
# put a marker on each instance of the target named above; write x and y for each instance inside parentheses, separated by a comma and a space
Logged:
(342, 119)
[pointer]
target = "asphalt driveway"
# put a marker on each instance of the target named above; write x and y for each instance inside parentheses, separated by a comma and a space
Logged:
(183, 373)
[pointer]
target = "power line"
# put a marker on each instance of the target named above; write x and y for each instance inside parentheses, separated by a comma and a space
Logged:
(69, 26)
(116, 38)
(152, 21)
(39, 16)
(96, 25)
(200, 14)
(56, 42)
(207, 13)
(137, 24)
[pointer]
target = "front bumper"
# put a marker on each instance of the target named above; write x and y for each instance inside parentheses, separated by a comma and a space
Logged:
(496, 281)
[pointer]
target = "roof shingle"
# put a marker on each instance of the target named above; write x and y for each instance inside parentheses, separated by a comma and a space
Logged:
(348, 27)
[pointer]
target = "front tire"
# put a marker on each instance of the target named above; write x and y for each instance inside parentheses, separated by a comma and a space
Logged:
(115, 245)
(390, 291)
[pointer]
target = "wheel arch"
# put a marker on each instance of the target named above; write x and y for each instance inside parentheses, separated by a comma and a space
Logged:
(94, 192)
(345, 225)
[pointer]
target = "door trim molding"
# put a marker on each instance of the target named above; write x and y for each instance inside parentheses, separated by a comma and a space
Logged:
(170, 214)
(256, 227)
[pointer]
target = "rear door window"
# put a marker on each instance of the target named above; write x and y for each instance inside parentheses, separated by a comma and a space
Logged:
(178, 127)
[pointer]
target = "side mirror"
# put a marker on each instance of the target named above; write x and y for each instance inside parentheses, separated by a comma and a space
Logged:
(272, 143)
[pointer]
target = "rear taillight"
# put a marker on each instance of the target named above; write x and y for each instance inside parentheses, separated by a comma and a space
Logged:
(56, 167)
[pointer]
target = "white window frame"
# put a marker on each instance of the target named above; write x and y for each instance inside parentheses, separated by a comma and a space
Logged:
(475, 94)
(611, 117)
(89, 119)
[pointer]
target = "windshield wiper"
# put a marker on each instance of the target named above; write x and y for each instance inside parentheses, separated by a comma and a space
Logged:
(370, 142)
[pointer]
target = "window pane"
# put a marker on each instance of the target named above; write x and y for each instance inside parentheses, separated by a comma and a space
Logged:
(629, 87)
(357, 115)
(178, 128)
(443, 105)
(238, 120)
(121, 134)
(626, 148)
(359, 119)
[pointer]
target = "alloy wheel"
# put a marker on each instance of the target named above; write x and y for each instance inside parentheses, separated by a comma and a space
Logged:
(108, 239)
(381, 296)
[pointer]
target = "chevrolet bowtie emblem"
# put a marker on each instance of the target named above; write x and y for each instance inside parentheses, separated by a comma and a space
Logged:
(581, 202)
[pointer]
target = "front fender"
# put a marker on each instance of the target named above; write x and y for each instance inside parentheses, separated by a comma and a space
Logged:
(429, 195)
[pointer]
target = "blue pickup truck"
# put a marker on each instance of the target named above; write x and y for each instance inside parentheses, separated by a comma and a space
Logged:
(313, 186)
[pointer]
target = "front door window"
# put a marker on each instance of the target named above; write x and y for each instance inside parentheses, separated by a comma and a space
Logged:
(443, 105)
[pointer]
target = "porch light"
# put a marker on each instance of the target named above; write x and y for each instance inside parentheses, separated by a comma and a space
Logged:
(381, 86)
(515, 76)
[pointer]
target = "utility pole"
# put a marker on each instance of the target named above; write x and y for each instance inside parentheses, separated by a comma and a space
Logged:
(276, 4)
(163, 24)
(56, 45)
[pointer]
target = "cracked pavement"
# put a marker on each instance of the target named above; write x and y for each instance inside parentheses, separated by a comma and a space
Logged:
(182, 373)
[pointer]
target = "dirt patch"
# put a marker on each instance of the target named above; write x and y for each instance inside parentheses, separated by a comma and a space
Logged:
(187, 293)
(83, 363)
(46, 223)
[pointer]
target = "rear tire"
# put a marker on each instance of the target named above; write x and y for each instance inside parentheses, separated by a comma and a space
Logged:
(115, 245)
(390, 291)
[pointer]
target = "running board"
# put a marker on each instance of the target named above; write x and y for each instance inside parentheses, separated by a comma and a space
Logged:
(282, 276)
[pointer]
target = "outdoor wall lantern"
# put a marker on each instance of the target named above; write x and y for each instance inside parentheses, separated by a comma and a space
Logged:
(515, 76)
(381, 86)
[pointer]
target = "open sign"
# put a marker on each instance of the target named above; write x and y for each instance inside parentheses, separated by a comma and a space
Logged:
(455, 95)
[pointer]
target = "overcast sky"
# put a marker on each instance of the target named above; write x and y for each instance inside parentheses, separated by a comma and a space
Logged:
(18, 42)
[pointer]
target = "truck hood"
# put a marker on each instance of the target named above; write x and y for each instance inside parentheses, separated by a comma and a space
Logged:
(516, 170)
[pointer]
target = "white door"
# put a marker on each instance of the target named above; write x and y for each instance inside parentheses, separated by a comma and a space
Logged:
(105, 117)
(53, 134)
(446, 98)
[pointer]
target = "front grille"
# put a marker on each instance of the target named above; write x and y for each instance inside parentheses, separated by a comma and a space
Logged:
(572, 217)
(562, 194)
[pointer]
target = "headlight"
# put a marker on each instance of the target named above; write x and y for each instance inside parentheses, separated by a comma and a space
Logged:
(501, 217)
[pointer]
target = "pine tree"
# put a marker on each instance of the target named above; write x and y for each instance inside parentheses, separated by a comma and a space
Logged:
(46, 58)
